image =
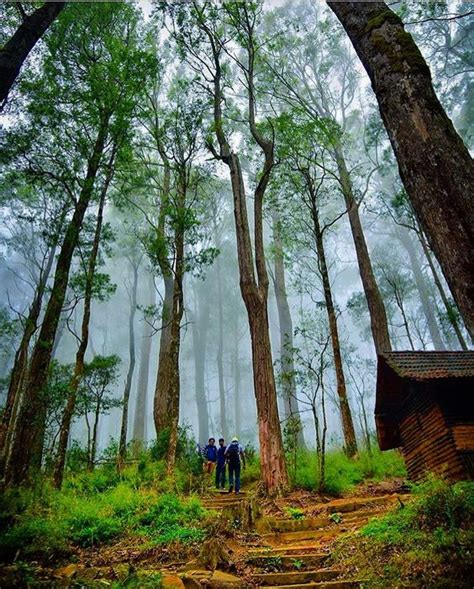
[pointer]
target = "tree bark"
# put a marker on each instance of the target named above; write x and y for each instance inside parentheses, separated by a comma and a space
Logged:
(27, 441)
(435, 165)
(286, 331)
(350, 441)
(167, 391)
(427, 304)
(139, 420)
(237, 395)
(17, 49)
(378, 315)
(131, 364)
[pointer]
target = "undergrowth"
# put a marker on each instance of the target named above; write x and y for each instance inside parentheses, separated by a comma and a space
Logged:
(342, 473)
(426, 543)
(139, 502)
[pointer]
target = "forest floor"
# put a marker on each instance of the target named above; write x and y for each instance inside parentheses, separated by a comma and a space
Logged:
(282, 543)
(375, 535)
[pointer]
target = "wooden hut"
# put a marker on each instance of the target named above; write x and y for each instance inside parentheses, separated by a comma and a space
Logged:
(425, 406)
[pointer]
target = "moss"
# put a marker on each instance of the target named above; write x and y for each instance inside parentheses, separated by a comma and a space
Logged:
(400, 50)
(381, 18)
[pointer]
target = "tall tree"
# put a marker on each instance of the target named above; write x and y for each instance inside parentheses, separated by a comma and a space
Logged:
(304, 72)
(435, 165)
(91, 62)
(286, 329)
(134, 261)
(90, 279)
(200, 330)
(202, 37)
(140, 415)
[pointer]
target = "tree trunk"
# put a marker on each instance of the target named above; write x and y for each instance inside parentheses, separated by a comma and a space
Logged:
(350, 441)
(237, 394)
(27, 442)
(131, 365)
(167, 392)
(17, 49)
(254, 287)
(286, 331)
(435, 165)
(220, 350)
(427, 304)
(21, 360)
(93, 444)
(200, 329)
(378, 316)
(444, 297)
(68, 414)
(139, 420)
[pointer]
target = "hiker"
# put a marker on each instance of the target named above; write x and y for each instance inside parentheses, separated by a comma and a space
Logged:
(210, 455)
(234, 454)
(220, 467)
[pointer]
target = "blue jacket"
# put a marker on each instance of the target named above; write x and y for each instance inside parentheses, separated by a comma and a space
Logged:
(210, 452)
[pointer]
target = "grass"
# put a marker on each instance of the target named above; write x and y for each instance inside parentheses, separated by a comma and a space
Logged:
(343, 473)
(427, 543)
(98, 508)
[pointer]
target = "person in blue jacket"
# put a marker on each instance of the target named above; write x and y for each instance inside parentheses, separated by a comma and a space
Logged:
(210, 455)
(221, 463)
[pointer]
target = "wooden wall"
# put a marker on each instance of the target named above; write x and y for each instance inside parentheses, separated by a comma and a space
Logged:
(428, 440)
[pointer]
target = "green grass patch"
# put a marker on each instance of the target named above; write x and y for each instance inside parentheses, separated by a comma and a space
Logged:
(342, 473)
(427, 543)
(94, 509)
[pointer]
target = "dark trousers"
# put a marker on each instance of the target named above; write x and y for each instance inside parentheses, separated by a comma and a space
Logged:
(234, 473)
(220, 476)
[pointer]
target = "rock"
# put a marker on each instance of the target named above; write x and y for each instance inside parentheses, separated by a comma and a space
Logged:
(172, 582)
(67, 572)
(220, 580)
(214, 555)
(190, 583)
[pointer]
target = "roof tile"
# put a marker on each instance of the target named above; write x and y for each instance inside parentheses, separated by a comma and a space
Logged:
(428, 365)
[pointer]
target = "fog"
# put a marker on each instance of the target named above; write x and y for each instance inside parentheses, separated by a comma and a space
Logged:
(215, 341)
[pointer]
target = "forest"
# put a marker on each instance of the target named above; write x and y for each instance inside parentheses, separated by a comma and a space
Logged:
(216, 218)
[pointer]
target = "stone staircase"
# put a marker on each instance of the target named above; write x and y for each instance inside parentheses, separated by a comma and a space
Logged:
(294, 553)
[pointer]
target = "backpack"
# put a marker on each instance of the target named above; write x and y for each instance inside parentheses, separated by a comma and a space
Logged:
(233, 453)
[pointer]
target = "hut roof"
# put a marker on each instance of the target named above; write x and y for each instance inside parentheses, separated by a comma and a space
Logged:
(429, 365)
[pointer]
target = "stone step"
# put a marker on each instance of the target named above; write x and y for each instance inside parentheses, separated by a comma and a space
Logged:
(298, 577)
(301, 536)
(287, 550)
(312, 523)
(358, 503)
(287, 561)
(321, 585)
